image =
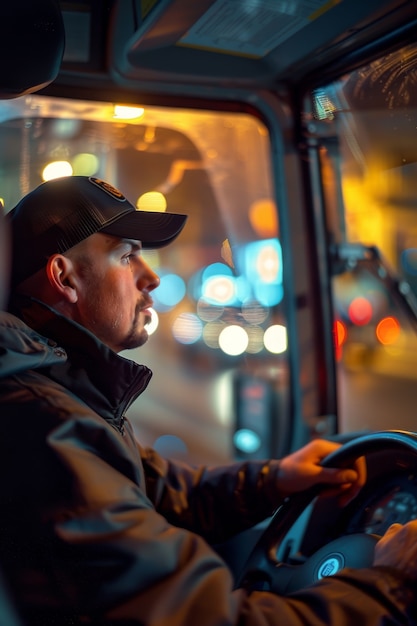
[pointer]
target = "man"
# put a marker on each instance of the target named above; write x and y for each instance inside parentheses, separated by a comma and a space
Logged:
(94, 528)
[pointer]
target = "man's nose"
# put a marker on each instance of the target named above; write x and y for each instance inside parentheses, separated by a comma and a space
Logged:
(147, 279)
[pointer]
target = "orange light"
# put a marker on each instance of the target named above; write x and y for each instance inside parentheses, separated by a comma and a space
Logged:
(339, 338)
(360, 311)
(388, 330)
(339, 333)
(263, 217)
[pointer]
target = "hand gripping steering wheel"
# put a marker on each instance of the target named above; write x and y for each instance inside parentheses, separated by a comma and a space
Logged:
(263, 570)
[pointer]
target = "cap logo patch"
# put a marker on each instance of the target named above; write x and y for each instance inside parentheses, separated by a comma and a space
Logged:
(109, 189)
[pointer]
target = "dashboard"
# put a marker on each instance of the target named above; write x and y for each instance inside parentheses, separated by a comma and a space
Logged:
(394, 502)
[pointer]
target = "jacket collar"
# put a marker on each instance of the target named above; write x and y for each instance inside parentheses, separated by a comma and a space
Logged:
(105, 381)
(23, 348)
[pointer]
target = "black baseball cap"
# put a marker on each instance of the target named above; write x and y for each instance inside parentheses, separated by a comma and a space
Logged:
(61, 212)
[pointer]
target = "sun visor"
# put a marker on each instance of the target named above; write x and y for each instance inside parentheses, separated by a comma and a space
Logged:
(31, 45)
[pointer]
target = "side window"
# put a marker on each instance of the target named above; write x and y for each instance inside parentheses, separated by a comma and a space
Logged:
(218, 330)
(366, 123)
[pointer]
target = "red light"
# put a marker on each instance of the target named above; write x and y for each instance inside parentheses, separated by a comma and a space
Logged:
(388, 330)
(339, 338)
(339, 333)
(360, 311)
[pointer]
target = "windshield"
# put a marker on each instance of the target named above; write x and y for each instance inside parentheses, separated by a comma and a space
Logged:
(367, 124)
(218, 343)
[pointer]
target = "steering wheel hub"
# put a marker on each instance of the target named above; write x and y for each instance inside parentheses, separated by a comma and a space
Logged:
(329, 566)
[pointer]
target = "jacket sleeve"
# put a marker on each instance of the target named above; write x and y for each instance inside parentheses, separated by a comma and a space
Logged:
(215, 502)
(99, 552)
(119, 559)
(376, 596)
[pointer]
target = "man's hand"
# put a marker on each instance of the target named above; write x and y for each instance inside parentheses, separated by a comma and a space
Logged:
(398, 548)
(302, 470)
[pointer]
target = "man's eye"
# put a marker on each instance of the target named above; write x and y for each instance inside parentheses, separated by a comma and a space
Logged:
(129, 258)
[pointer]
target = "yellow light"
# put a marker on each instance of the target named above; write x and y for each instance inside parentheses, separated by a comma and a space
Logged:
(122, 112)
(275, 339)
(211, 333)
(56, 169)
(154, 323)
(85, 164)
(233, 340)
(256, 339)
(152, 201)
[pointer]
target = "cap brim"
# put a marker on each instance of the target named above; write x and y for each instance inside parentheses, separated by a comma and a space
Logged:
(153, 229)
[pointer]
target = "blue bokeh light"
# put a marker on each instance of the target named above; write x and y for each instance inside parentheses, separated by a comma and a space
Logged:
(170, 292)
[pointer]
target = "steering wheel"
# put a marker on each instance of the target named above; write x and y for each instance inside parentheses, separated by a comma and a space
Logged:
(264, 571)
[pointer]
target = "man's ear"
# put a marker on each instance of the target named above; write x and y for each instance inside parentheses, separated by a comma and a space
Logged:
(61, 275)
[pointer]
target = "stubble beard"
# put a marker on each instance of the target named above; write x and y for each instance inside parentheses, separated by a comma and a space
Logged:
(136, 339)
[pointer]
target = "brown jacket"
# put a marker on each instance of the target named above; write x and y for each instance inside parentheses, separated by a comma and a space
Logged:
(97, 530)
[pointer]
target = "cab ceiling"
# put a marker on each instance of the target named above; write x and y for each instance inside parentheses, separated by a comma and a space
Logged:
(250, 44)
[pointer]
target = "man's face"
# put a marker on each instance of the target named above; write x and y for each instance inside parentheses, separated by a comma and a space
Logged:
(113, 287)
